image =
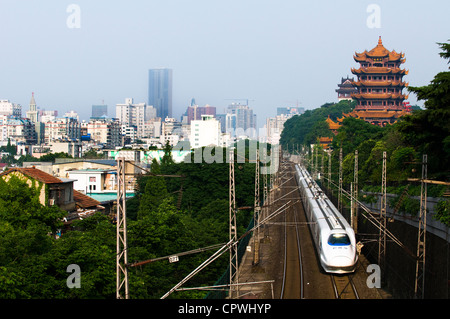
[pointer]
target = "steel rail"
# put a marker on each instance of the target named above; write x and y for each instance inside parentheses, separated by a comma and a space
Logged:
(300, 262)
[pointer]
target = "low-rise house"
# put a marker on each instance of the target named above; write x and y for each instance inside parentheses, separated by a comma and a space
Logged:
(52, 190)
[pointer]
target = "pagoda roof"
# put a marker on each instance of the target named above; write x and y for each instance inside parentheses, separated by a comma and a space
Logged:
(379, 52)
(346, 84)
(375, 114)
(333, 125)
(379, 83)
(379, 70)
(325, 139)
(377, 96)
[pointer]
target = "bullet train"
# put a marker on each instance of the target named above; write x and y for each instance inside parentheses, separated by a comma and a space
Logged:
(334, 239)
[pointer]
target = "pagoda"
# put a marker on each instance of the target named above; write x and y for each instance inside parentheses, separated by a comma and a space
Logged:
(346, 89)
(380, 84)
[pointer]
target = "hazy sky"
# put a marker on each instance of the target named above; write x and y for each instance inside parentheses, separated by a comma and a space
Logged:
(270, 52)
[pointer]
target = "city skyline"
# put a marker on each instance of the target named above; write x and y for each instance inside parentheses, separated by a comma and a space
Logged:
(273, 54)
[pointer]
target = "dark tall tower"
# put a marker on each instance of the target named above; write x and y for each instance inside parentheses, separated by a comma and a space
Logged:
(160, 91)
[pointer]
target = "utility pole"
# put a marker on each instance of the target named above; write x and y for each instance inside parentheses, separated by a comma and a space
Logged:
(316, 166)
(234, 289)
(329, 169)
(322, 167)
(121, 228)
(256, 212)
(382, 233)
(419, 286)
(355, 190)
(340, 181)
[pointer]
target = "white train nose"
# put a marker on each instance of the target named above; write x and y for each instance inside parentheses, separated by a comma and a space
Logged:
(341, 261)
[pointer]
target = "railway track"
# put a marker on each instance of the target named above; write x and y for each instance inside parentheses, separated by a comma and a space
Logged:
(296, 283)
(292, 285)
(343, 287)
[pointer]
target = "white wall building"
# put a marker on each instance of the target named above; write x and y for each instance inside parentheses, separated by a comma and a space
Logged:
(205, 132)
(93, 180)
(11, 109)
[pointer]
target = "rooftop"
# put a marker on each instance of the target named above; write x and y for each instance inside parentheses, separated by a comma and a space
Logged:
(83, 200)
(380, 52)
(36, 174)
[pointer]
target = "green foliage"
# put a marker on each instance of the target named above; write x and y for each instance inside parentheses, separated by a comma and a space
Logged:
(33, 263)
(50, 157)
(154, 193)
(428, 131)
(92, 154)
(307, 127)
(354, 132)
(167, 157)
(11, 149)
(443, 211)
(20, 206)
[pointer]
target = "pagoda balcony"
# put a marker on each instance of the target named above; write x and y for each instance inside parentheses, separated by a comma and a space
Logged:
(381, 83)
(380, 108)
(379, 70)
(379, 96)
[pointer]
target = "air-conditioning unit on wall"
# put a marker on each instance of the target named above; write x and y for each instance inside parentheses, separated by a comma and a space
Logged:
(51, 202)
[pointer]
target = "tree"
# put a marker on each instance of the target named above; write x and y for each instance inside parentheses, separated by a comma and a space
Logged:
(304, 129)
(428, 131)
(92, 154)
(167, 158)
(154, 193)
(50, 157)
(353, 132)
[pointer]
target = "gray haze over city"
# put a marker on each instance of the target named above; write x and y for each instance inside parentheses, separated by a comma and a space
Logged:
(273, 53)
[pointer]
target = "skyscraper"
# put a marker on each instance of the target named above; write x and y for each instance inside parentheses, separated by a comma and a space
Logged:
(160, 91)
(241, 117)
(99, 110)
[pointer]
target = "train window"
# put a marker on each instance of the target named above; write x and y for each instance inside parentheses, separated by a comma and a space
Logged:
(338, 239)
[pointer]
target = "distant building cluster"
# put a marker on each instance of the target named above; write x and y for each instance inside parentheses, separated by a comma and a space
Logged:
(140, 125)
(133, 125)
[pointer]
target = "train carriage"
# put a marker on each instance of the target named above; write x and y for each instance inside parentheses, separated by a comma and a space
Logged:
(334, 239)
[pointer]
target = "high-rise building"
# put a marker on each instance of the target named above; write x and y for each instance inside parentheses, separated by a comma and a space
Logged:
(106, 131)
(135, 115)
(99, 110)
(62, 129)
(160, 91)
(195, 112)
(274, 126)
(241, 120)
